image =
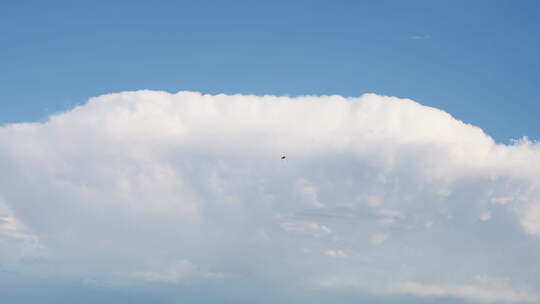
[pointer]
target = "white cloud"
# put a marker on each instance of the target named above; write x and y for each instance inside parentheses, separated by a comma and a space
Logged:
(306, 228)
(483, 290)
(379, 238)
(309, 193)
(138, 176)
(176, 273)
(16, 241)
(485, 216)
(336, 253)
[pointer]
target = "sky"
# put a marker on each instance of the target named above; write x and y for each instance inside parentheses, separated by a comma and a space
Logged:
(475, 59)
(141, 144)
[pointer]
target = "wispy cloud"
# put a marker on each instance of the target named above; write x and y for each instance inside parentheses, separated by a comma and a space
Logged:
(420, 37)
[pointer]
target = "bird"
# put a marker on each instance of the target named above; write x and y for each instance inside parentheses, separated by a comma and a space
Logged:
(283, 157)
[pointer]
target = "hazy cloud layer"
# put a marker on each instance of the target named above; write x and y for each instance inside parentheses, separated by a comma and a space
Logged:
(377, 196)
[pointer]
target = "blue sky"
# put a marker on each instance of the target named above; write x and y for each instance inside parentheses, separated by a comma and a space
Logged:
(141, 149)
(475, 59)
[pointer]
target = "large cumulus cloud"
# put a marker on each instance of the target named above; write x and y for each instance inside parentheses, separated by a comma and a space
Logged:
(378, 195)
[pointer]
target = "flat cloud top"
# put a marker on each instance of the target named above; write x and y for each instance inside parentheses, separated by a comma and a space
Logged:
(378, 195)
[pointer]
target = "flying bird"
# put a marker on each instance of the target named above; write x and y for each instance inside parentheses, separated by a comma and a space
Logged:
(283, 157)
